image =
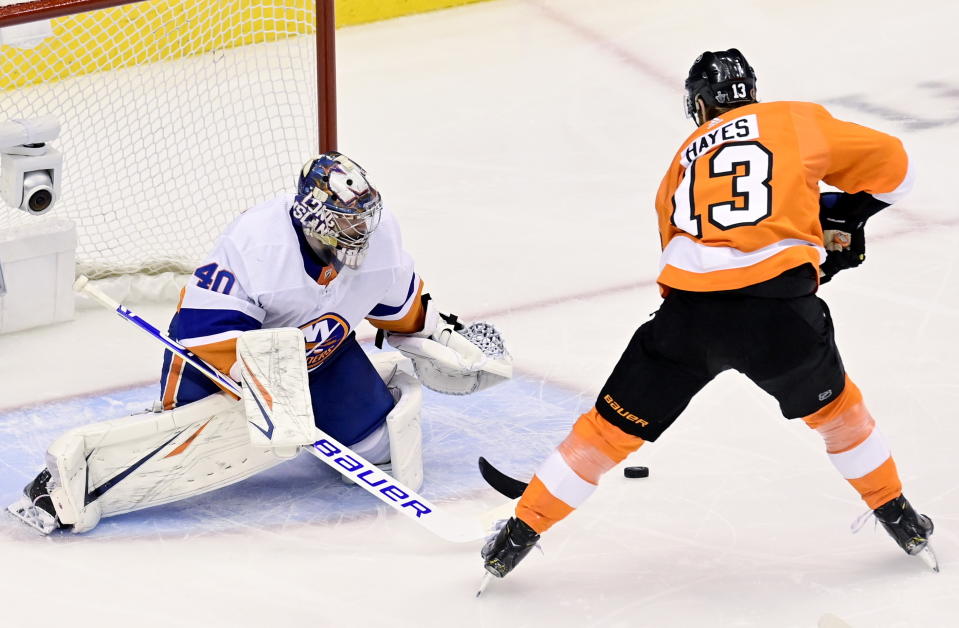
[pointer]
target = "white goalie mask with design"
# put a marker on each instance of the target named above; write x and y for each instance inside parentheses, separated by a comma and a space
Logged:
(337, 208)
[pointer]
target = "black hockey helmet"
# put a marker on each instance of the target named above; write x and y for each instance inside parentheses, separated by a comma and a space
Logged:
(723, 79)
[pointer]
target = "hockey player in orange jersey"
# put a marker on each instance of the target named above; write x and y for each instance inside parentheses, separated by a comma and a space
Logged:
(746, 240)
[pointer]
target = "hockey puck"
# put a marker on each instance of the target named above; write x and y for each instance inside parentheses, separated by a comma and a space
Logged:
(636, 472)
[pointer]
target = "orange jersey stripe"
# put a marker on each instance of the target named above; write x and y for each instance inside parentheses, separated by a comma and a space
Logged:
(411, 322)
(172, 382)
(220, 355)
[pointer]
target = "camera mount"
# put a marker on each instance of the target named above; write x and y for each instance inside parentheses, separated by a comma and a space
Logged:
(30, 169)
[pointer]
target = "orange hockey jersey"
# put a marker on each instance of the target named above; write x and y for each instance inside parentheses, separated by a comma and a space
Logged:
(740, 202)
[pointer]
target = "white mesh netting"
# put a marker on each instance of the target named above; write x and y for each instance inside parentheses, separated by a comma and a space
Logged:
(175, 116)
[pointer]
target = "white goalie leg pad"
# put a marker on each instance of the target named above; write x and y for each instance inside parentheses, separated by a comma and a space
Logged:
(403, 421)
(67, 462)
(144, 460)
(456, 362)
(276, 389)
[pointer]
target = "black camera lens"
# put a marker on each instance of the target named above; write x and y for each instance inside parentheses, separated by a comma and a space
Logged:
(40, 200)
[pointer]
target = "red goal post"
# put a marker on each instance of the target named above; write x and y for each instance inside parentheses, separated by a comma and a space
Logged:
(175, 115)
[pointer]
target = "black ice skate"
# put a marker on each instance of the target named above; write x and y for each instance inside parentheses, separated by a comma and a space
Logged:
(508, 547)
(35, 508)
(908, 528)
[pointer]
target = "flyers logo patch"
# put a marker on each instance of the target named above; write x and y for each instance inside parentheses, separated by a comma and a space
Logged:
(324, 336)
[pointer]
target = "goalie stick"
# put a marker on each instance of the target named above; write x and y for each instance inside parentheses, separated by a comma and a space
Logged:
(501, 483)
(340, 457)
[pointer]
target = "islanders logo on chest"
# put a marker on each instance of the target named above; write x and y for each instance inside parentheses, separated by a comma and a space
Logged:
(323, 336)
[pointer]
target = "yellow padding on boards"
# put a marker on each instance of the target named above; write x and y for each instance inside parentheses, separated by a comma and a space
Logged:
(349, 12)
(143, 32)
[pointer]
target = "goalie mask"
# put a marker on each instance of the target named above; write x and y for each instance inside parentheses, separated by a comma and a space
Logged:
(722, 79)
(337, 208)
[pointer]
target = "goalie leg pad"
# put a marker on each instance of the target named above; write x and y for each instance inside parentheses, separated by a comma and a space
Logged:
(406, 434)
(403, 429)
(131, 463)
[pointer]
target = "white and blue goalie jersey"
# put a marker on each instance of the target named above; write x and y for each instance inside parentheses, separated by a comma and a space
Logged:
(263, 274)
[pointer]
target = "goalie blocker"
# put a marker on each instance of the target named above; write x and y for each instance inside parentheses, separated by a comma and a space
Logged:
(153, 458)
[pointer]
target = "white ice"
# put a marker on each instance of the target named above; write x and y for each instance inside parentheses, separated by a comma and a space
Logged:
(521, 143)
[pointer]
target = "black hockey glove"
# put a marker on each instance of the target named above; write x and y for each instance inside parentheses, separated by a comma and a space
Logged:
(843, 218)
(845, 258)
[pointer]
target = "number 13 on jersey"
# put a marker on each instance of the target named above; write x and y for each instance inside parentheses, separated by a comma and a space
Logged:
(744, 170)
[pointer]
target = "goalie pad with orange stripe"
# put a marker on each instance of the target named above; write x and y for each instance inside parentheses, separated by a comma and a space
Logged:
(152, 458)
(148, 459)
(157, 457)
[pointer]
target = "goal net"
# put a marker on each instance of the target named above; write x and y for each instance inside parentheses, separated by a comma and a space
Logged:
(176, 115)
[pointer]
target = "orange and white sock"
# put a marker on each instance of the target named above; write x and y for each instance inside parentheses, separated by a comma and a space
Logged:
(570, 474)
(856, 447)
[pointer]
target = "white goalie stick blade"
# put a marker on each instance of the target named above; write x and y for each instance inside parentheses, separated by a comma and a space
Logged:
(34, 516)
(400, 497)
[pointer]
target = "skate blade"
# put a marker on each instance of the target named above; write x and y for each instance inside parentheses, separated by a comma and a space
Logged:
(927, 556)
(484, 583)
(37, 518)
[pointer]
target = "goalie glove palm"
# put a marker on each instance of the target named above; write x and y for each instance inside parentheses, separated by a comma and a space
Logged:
(453, 359)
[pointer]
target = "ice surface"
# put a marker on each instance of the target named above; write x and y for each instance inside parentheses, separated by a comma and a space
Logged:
(521, 144)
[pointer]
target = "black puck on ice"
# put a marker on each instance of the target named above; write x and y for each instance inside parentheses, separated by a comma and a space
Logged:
(636, 472)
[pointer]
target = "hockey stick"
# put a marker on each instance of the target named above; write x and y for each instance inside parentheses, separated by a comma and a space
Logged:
(501, 483)
(343, 460)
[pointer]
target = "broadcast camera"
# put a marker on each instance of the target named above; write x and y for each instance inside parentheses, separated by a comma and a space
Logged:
(30, 169)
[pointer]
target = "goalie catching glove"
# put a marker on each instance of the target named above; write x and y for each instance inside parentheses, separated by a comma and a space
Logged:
(453, 358)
